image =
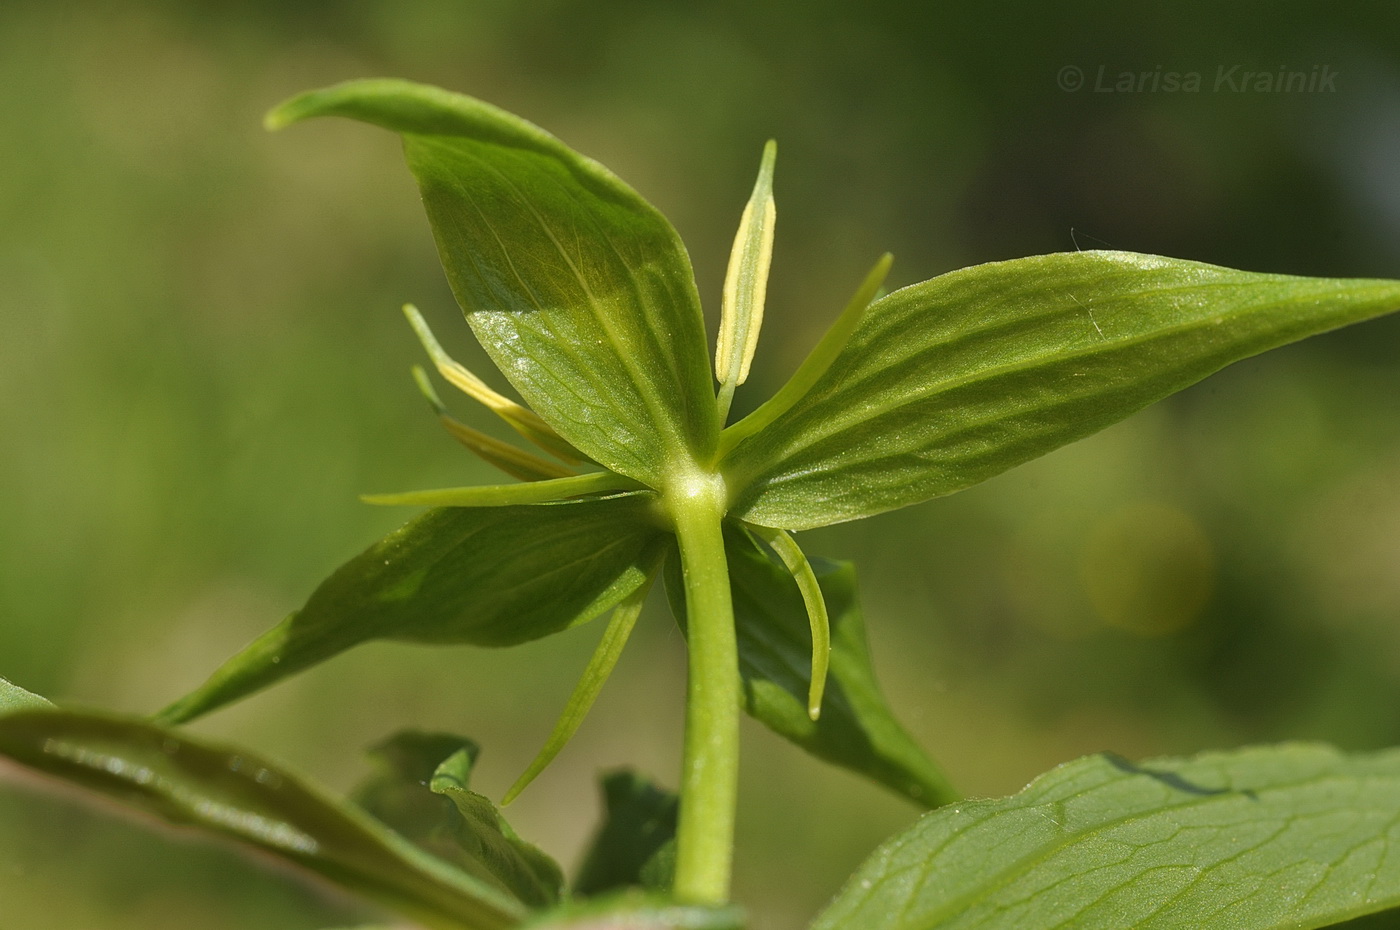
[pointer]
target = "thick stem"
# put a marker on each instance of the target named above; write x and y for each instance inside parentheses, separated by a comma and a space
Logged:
(709, 782)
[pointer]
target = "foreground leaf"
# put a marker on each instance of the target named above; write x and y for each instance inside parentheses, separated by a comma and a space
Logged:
(856, 730)
(238, 796)
(13, 698)
(949, 382)
(635, 846)
(421, 791)
(1293, 836)
(487, 577)
(579, 289)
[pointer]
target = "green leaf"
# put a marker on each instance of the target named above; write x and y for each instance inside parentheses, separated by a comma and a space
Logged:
(421, 791)
(949, 382)
(493, 576)
(13, 698)
(578, 288)
(1293, 836)
(636, 844)
(236, 795)
(857, 730)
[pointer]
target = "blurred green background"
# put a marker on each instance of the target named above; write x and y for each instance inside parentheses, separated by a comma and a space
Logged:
(202, 363)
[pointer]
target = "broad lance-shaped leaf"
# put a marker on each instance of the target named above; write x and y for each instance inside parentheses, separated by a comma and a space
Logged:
(856, 729)
(1293, 836)
(949, 382)
(578, 288)
(236, 795)
(421, 791)
(488, 576)
(13, 698)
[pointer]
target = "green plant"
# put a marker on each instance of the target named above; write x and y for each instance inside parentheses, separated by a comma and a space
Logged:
(583, 296)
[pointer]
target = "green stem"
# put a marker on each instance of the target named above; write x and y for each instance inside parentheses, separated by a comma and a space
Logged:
(709, 781)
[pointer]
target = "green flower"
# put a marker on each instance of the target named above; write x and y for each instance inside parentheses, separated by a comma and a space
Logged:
(583, 296)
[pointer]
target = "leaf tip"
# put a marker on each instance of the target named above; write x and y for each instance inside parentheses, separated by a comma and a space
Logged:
(289, 111)
(515, 790)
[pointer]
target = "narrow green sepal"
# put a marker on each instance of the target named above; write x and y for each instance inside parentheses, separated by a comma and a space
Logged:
(786, 548)
(505, 495)
(816, 363)
(595, 675)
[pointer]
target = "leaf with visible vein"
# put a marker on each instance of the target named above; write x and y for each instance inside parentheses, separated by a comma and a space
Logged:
(233, 794)
(857, 730)
(493, 576)
(421, 790)
(581, 292)
(1293, 836)
(949, 382)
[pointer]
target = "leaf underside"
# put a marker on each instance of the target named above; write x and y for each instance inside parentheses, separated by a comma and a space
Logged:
(581, 292)
(949, 382)
(493, 576)
(1292, 836)
(421, 792)
(238, 796)
(856, 730)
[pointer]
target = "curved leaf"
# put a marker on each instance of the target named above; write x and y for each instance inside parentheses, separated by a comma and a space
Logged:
(578, 288)
(856, 730)
(1293, 836)
(13, 698)
(492, 576)
(949, 382)
(236, 795)
(636, 845)
(421, 791)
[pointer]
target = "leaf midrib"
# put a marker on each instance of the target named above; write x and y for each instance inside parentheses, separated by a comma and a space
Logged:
(1019, 868)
